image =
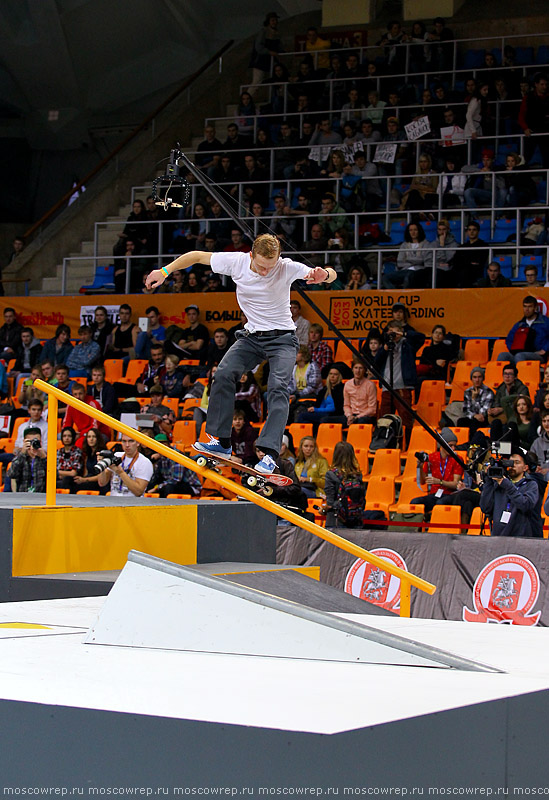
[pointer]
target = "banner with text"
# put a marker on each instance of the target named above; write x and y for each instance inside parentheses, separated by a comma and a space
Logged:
(468, 312)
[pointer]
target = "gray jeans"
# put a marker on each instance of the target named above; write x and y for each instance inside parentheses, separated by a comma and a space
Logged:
(249, 350)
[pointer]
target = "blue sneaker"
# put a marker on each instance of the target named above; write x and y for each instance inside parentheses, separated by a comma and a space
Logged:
(213, 447)
(266, 466)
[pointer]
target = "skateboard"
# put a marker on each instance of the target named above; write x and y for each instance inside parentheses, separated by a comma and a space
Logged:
(251, 478)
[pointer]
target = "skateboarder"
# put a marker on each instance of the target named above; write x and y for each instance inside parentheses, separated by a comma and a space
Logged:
(263, 281)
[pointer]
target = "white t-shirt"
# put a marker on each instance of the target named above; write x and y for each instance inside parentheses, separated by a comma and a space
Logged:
(264, 300)
(142, 468)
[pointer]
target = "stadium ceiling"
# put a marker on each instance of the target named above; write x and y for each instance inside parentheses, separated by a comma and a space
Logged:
(92, 60)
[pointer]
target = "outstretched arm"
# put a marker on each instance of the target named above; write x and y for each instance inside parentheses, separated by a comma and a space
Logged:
(321, 275)
(158, 276)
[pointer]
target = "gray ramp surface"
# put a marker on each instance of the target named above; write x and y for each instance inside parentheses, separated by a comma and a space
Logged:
(299, 588)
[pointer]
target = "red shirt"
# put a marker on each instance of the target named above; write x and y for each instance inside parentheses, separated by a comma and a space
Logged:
(83, 422)
(444, 467)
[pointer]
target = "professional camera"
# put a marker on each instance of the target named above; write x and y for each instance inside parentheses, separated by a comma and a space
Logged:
(496, 466)
(422, 457)
(171, 178)
(107, 459)
(36, 444)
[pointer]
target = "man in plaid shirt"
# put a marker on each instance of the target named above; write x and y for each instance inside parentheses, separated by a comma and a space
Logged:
(28, 468)
(321, 352)
(174, 477)
(477, 399)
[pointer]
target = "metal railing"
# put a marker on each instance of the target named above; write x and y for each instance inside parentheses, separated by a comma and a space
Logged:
(371, 52)
(407, 580)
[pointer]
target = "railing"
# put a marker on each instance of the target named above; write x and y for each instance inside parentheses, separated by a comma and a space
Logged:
(371, 51)
(407, 580)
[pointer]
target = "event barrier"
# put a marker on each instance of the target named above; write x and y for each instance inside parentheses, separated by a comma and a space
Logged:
(407, 579)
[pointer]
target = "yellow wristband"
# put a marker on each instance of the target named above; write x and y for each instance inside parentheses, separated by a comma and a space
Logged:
(165, 271)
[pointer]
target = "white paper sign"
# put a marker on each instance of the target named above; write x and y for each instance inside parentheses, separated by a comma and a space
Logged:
(5, 424)
(350, 151)
(386, 153)
(417, 128)
(87, 314)
(320, 154)
(452, 135)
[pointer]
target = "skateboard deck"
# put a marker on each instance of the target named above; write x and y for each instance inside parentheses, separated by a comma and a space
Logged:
(251, 477)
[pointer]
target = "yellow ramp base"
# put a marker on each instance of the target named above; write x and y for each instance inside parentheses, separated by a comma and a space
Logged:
(48, 541)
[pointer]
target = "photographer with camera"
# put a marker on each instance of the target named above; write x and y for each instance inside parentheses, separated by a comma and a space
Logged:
(439, 471)
(128, 472)
(28, 469)
(510, 497)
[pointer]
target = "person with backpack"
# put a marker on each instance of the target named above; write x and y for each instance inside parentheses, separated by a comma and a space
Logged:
(345, 489)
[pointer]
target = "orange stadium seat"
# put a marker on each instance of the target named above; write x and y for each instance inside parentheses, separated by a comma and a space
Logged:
(475, 522)
(462, 373)
(380, 494)
(444, 514)
(529, 371)
(114, 368)
(498, 347)
(184, 433)
(430, 412)
(494, 373)
(360, 435)
(135, 368)
(386, 463)
(328, 434)
(477, 350)
(408, 491)
(298, 430)
(420, 439)
(432, 392)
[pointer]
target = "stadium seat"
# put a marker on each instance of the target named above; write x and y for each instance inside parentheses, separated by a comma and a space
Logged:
(344, 353)
(430, 412)
(499, 346)
(328, 434)
(409, 490)
(430, 228)
(475, 523)
(457, 231)
(542, 56)
(432, 392)
(114, 368)
(396, 233)
(505, 265)
(135, 368)
(363, 457)
(444, 514)
(456, 394)
(524, 56)
(420, 439)
(85, 491)
(476, 350)
(461, 433)
(494, 373)
(298, 430)
(314, 506)
(188, 497)
(474, 59)
(462, 374)
(485, 229)
(184, 433)
(103, 281)
(190, 402)
(505, 227)
(380, 494)
(529, 372)
(151, 494)
(387, 463)
(360, 435)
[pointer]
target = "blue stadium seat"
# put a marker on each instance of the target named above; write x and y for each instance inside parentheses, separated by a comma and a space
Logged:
(524, 56)
(396, 233)
(474, 59)
(542, 192)
(103, 281)
(485, 229)
(455, 227)
(430, 228)
(542, 56)
(506, 265)
(505, 227)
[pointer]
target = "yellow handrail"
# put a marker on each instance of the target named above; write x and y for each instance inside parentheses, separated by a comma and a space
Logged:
(406, 578)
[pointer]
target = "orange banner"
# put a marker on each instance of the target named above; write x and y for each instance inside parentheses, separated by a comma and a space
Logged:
(467, 312)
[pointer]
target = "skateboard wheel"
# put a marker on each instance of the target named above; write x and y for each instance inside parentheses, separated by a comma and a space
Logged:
(201, 461)
(267, 491)
(251, 481)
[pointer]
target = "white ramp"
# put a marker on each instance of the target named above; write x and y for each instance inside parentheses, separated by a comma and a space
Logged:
(161, 605)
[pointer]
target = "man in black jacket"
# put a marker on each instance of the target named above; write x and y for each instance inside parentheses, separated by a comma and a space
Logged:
(28, 352)
(471, 257)
(10, 334)
(511, 502)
